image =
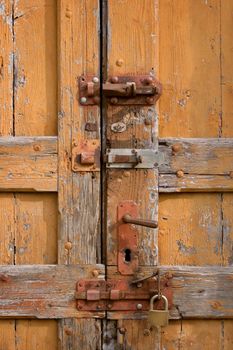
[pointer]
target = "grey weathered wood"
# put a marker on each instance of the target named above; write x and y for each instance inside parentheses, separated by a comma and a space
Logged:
(195, 183)
(198, 292)
(42, 291)
(28, 164)
(196, 156)
(48, 291)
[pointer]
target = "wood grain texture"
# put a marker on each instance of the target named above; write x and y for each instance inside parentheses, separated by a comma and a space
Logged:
(189, 68)
(28, 164)
(35, 75)
(198, 292)
(226, 67)
(196, 156)
(6, 68)
(190, 226)
(79, 194)
(195, 183)
(36, 334)
(42, 291)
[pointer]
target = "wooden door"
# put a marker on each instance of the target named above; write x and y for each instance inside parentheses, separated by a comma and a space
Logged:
(59, 225)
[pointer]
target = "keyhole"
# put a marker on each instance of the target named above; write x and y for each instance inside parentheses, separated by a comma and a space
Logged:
(127, 255)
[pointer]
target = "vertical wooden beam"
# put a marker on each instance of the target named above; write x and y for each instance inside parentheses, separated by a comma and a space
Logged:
(6, 68)
(78, 193)
(133, 49)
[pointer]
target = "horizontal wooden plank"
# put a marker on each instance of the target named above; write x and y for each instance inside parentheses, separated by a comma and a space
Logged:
(28, 164)
(196, 156)
(195, 183)
(198, 292)
(48, 291)
(42, 291)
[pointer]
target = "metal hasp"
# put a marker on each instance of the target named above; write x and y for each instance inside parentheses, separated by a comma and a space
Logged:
(120, 90)
(127, 158)
(121, 295)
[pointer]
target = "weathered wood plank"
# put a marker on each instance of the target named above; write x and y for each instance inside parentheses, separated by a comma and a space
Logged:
(196, 156)
(195, 183)
(28, 164)
(35, 67)
(198, 292)
(79, 239)
(48, 291)
(42, 291)
(6, 68)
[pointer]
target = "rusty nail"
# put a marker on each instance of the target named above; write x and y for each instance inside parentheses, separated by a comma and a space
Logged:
(119, 62)
(180, 173)
(139, 284)
(68, 331)
(114, 100)
(98, 307)
(109, 306)
(126, 173)
(176, 147)
(68, 245)
(95, 80)
(122, 330)
(146, 332)
(96, 99)
(139, 306)
(148, 80)
(80, 307)
(37, 148)
(150, 100)
(83, 100)
(114, 80)
(147, 121)
(95, 273)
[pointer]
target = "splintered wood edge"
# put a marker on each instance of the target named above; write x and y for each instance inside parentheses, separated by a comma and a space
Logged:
(48, 291)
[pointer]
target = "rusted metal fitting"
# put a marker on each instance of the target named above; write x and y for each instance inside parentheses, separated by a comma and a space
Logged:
(180, 173)
(177, 147)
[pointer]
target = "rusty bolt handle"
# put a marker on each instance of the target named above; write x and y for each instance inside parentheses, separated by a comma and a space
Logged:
(127, 219)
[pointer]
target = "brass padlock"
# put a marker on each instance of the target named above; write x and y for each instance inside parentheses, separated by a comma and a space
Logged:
(158, 317)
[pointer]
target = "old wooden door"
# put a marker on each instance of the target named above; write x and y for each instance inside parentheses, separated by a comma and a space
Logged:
(60, 220)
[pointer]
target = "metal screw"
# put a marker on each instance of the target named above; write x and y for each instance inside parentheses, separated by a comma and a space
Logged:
(148, 80)
(139, 306)
(146, 332)
(122, 330)
(114, 80)
(150, 100)
(68, 245)
(114, 100)
(95, 273)
(120, 62)
(83, 99)
(180, 173)
(95, 80)
(139, 284)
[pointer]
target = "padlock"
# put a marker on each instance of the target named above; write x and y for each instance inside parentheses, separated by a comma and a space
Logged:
(158, 317)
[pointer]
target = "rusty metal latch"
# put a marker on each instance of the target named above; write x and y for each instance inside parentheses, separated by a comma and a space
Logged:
(120, 90)
(121, 295)
(126, 158)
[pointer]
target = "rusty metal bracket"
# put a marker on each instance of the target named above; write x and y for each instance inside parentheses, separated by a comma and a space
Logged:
(127, 256)
(120, 90)
(86, 155)
(120, 295)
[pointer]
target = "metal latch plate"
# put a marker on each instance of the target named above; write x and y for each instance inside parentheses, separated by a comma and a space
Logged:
(119, 294)
(126, 158)
(86, 155)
